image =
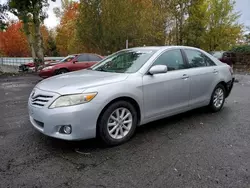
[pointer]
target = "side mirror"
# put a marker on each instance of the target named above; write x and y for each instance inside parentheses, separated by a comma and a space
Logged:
(158, 69)
(74, 61)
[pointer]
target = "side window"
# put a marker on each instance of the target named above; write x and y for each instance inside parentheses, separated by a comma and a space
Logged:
(83, 57)
(173, 59)
(208, 61)
(198, 59)
(94, 58)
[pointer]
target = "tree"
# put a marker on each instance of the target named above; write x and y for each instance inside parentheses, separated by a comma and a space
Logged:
(3, 17)
(66, 40)
(50, 48)
(32, 14)
(13, 41)
(196, 23)
(223, 31)
(105, 25)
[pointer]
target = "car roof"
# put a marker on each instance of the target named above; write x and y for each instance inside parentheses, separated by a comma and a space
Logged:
(163, 47)
(84, 53)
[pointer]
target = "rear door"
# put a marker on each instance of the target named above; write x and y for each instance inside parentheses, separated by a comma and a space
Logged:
(203, 75)
(81, 62)
(93, 59)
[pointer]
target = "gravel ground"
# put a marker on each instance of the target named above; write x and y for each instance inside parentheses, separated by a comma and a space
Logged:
(194, 149)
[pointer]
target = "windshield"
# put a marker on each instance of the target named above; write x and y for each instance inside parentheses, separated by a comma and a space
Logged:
(67, 59)
(218, 55)
(127, 61)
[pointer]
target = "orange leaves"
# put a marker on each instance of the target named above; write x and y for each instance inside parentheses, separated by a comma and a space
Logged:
(13, 41)
(67, 28)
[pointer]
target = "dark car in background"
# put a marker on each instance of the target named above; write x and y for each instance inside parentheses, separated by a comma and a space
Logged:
(225, 57)
(70, 63)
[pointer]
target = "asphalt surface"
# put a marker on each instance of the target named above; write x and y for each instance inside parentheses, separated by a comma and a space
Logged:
(194, 149)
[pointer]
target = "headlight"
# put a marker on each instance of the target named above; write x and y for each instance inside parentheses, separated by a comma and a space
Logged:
(47, 68)
(70, 100)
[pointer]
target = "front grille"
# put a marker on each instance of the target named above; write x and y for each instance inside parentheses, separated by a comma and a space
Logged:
(40, 100)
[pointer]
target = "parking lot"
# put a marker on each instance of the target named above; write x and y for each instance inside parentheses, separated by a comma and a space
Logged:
(194, 149)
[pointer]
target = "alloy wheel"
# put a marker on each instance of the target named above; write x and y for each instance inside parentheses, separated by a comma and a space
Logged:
(218, 97)
(119, 123)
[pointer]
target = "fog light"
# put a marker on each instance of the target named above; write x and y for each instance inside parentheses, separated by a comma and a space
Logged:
(67, 129)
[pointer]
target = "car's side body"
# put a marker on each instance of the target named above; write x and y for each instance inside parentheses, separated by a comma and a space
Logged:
(199, 86)
(154, 96)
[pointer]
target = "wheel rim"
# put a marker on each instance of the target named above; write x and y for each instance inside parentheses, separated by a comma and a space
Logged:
(119, 123)
(218, 97)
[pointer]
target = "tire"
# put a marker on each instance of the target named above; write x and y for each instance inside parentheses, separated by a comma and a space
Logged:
(216, 105)
(119, 126)
(61, 71)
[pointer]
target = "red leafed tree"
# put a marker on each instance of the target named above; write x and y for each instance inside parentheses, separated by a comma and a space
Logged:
(13, 41)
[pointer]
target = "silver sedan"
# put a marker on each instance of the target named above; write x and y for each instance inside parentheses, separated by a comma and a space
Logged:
(128, 89)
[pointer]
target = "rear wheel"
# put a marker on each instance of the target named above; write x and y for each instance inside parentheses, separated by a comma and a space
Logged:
(217, 98)
(61, 71)
(118, 122)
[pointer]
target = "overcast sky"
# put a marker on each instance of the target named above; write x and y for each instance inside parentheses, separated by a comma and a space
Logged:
(242, 6)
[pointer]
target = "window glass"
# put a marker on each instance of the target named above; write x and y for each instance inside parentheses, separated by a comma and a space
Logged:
(198, 59)
(94, 58)
(209, 62)
(126, 61)
(83, 57)
(173, 59)
(195, 58)
(68, 58)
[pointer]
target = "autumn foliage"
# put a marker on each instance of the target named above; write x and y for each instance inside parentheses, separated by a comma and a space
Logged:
(13, 41)
(66, 31)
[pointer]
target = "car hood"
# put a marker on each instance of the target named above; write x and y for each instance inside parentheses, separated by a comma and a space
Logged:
(78, 81)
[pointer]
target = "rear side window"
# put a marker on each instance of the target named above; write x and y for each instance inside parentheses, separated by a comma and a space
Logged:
(83, 57)
(209, 62)
(94, 58)
(173, 59)
(198, 59)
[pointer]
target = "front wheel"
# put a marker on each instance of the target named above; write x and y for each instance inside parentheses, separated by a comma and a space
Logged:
(118, 122)
(217, 98)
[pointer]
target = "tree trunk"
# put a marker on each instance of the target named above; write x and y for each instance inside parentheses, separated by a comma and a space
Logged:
(39, 41)
(30, 40)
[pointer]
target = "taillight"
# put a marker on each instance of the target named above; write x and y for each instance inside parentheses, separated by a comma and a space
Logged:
(231, 70)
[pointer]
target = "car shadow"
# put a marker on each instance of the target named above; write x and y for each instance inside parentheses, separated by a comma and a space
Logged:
(166, 124)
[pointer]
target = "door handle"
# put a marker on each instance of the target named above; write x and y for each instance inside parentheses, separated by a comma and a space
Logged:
(185, 76)
(215, 71)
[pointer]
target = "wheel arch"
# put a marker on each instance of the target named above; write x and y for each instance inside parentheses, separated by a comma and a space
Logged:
(61, 68)
(122, 98)
(225, 86)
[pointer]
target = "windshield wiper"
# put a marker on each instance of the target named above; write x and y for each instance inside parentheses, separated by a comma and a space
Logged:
(101, 69)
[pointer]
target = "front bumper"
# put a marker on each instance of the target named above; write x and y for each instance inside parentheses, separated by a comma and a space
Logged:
(45, 73)
(82, 118)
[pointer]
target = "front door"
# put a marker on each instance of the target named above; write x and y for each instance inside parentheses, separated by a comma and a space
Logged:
(168, 93)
